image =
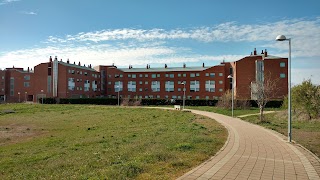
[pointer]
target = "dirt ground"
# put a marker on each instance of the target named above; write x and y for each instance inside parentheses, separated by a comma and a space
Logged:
(14, 133)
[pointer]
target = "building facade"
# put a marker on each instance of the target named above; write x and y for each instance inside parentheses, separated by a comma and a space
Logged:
(58, 79)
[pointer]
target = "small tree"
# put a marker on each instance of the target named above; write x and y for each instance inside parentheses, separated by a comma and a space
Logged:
(263, 92)
(226, 100)
(306, 98)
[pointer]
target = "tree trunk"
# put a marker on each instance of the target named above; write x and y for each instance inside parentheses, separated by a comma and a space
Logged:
(261, 113)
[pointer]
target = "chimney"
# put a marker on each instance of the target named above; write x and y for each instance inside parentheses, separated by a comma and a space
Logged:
(251, 54)
(79, 63)
(202, 64)
(28, 69)
(74, 62)
(262, 52)
(50, 59)
(84, 65)
(184, 65)
(265, 53)
(255, 51)
(56, 58)
(149, 66)
(165, 66)
(60, 60)
(90, 66)
(68, 61)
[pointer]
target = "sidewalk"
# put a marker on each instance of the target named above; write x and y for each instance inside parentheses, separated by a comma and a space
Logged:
(253, 152)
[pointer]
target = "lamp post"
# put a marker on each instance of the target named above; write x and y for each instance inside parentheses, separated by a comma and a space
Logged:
(184, 95)
(19, 96)
(118, 95)
(231, 77)
(42, 96)
(25, 96)
(283, 38)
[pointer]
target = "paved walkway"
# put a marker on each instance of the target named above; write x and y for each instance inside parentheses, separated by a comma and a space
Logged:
(265, 112)
(253, 152)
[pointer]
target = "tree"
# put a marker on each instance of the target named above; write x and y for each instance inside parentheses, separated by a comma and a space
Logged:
(263, 91)
(306, 98)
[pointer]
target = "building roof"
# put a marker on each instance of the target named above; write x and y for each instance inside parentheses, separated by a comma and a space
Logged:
(168, 69)
(76, 66)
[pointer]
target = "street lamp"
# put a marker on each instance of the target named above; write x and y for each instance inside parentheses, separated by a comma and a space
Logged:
(283, 38)
(19, 96)
(118, 95)
(184, 95)
(230, 77)
(25, 96)
(42, 96)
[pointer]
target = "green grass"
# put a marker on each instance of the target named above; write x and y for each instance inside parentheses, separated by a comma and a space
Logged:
(83, 141)
(306, 133)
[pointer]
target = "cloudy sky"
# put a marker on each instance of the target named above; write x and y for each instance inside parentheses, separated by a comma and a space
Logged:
(173, 32)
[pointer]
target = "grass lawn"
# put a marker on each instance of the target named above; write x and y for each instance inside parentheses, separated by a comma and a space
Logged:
(82, 141)
(306, 133)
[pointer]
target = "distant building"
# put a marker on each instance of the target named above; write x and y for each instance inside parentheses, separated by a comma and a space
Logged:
(58, 79)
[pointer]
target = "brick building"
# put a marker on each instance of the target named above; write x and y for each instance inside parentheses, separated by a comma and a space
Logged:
(56, 79)
(60, 79)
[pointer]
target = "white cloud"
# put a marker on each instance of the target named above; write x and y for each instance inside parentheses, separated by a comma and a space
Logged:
(3, 2)
(29, 13)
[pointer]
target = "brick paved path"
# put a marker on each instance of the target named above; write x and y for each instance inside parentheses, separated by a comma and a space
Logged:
(253, 152)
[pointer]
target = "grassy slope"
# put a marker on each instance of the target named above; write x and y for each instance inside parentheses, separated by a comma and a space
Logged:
(105, 142)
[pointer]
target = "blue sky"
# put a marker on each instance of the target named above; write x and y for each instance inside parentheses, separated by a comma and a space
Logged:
(140, 32)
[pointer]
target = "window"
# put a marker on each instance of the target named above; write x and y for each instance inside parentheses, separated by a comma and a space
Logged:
(282, 64)
(134, 76)
(155, 86)
(167, 75)
(210, 86)
(85, 73)
(192, 75)
(140, 82)
(207, 74)
(220, 82)
(212, 74)
(129, 75)
(171, 75)
(220, 90)
(179, 75)
(184, 75)
(146, 82)
(282, 75)
(197, 97)
(109, 83)
(146, 75)
(158, 96)
(140, 89)
(158, 75)
(207, 97)
(154, 75)
(27, 77)
(26, 84)
(140, 75)
(197, 74)
(169, 86)
(179, 89)
(220, 74)
(194, 86)
(121, 75)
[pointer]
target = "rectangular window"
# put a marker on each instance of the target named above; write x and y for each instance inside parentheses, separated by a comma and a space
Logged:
(220, 74)
(197, 74)
(167, 75)
(282, 64)
(27, 77)
(192, 75)
(212, 75)
(140, 82)
(26, 84)
(140, 89)
(158, 75)
(184, 75)
(207, 74)
(140, 75)
(154, 75)
(121, 75)
(171, 75)
(146, 82)
(179, 75)
(129, 75)
(146, 75)
(282, 75)
(220, 82)
(134, 76)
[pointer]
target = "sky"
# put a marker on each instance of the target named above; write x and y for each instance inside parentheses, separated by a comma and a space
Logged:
(172, 32)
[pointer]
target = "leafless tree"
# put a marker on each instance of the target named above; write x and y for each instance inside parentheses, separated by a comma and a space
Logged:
(264, 91)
